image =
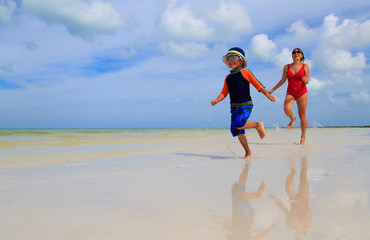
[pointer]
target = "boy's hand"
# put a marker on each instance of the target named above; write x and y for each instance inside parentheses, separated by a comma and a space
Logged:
(268, 95)
(217, 100)
(272, 98)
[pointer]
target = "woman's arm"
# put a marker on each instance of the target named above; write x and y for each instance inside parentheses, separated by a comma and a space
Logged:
(306, 77)
(282, 81)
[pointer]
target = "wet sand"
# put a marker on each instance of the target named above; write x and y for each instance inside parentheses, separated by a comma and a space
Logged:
(184, 184)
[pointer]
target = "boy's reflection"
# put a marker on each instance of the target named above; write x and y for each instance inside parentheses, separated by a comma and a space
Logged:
(299, 218)
(242, 211)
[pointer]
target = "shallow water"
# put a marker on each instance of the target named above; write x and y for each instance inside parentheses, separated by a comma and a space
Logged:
(184, 184)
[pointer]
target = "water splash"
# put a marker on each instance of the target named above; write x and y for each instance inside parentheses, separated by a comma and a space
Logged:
(317, 125)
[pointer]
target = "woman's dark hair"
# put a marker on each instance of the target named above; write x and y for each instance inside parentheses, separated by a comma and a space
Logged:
(298, 49)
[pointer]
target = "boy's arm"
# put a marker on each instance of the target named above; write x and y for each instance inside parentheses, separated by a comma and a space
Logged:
(217, 100)
(248, 75)
(223, 94)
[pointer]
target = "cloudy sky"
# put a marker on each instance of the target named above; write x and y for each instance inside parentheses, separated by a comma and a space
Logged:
(144, 64)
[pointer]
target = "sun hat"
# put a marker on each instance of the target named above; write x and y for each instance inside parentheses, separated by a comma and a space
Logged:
(235, 51)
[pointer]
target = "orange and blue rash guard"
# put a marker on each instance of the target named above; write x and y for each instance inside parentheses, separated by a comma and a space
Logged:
(237, 85)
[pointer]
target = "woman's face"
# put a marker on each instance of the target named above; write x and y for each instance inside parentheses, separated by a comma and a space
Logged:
(297, 54)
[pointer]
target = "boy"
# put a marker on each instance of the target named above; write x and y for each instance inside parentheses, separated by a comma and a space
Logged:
(237, 83)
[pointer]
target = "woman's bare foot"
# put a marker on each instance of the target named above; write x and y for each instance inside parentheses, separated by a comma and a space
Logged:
(290, 125)
(303, 141)
(261, 129)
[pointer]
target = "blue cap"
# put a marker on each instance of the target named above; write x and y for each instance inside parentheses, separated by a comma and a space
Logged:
(235, 51)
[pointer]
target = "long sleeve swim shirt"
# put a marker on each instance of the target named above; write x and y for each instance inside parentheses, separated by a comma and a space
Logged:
(237, 85)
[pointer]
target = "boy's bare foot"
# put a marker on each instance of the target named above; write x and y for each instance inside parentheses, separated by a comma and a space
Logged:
(290, 125)
(261, 129)
(247, 155)
(303, 141)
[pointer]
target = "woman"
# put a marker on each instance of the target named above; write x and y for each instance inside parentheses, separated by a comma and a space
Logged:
(297, 74)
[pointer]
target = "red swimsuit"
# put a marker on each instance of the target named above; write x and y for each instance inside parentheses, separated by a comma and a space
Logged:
(296, 87)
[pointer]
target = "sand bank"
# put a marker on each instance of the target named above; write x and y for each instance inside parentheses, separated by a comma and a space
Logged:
(184, 184)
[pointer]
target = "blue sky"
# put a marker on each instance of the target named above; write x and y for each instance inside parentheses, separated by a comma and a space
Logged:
(144, 64)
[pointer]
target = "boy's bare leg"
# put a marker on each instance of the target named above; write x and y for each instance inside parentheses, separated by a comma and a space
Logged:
(257, 125)
(261, 129)
(243, 141)
(260, 193)
(244, 175)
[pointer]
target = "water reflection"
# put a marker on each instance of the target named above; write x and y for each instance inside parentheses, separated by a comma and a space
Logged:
(241, 225)
(299, 217)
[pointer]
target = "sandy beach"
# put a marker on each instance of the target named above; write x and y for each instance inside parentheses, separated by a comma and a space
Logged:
(184, 184)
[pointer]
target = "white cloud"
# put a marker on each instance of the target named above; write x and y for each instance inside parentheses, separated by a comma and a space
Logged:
(181, 24)
(185, 50)
(350, 33)
(332, 47)
(232, 18)
(302, 32)
(361, 97)
(7, 9)
(209, 24)
(333, 53)
(330, 96)
(338, 60)
(84, 19)
(262, 47)
(315, 84)
(283, 58)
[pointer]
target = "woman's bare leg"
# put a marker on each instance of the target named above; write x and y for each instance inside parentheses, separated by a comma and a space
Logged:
(302, 105)
(289, 184)
(288, 104)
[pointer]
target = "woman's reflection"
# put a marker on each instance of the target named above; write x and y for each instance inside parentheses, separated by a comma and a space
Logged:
(240, 227)
(299, 218)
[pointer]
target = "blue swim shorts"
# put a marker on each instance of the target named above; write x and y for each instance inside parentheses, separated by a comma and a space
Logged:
(239, 117)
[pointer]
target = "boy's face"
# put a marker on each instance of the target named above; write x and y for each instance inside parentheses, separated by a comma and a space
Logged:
(234, 64)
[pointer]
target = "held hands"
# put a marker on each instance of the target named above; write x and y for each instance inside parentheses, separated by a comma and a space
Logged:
(268, 95)
(271, 97)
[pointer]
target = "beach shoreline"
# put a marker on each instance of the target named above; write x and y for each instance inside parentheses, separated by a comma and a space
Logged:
(178, 183)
